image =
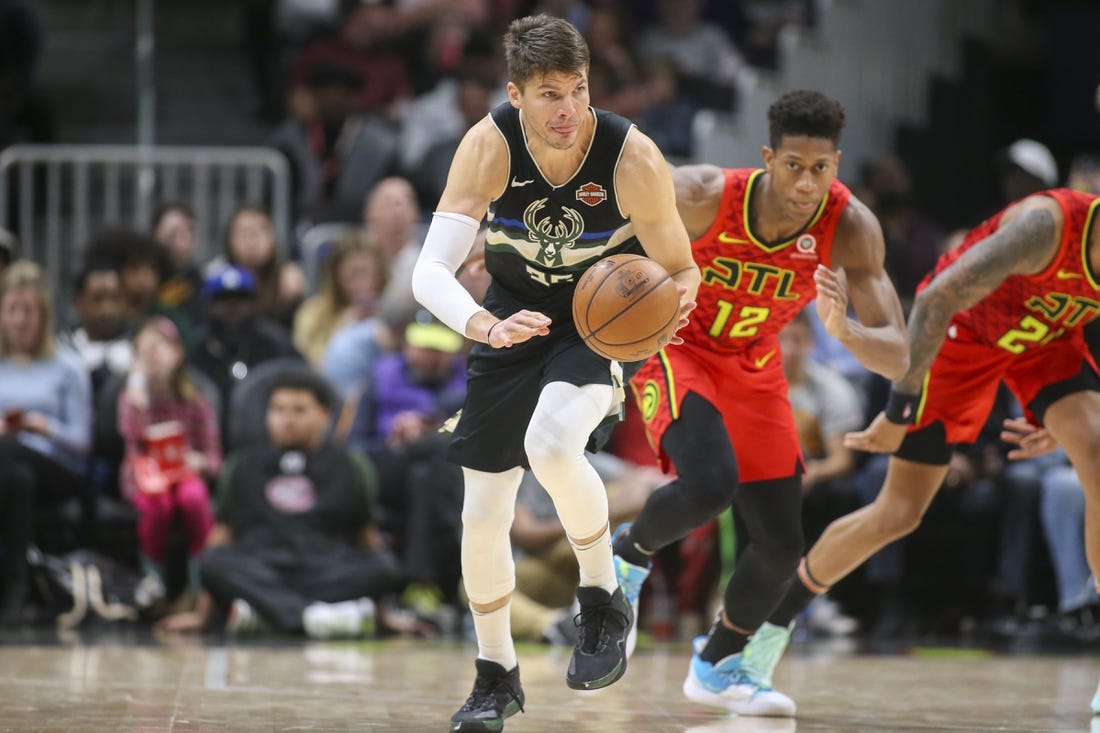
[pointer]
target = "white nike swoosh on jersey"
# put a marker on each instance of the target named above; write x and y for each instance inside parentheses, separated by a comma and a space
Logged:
(517, 184)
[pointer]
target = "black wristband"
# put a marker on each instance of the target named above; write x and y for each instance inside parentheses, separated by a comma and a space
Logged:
(901, 408)
(489, 334)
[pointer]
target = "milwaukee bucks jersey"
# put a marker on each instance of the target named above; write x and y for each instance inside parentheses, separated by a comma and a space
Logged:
(542, 237)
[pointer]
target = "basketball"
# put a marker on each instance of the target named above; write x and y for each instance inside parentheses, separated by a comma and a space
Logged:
(626, 307)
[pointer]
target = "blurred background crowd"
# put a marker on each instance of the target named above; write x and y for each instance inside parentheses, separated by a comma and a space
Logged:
(238, 401)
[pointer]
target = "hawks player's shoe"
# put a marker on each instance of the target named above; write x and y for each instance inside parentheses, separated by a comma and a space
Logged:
(496, 695)
(631, 577)
(741, 683)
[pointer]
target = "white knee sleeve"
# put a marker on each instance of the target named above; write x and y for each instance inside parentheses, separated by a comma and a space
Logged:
(488, 507)
(559, 429)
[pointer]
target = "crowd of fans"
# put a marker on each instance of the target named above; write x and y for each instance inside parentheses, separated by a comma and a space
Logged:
(273, 423)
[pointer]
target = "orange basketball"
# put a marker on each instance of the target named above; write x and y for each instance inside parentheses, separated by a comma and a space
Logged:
(626, 307)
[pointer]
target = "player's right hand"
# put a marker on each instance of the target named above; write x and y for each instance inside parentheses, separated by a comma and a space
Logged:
(519, 327)
(1032, 441)
(881, 436)
(686, 307)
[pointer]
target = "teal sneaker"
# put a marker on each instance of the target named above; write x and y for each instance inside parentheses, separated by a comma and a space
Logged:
(731, 684)
(1096, 702)
(763, 652)
(631, 577)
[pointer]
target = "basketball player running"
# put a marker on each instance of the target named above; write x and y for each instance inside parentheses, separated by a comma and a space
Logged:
(767, 242)
(564, 186)
(1009, 303)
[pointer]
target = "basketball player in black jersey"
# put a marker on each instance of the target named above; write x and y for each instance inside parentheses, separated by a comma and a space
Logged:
(563, 186)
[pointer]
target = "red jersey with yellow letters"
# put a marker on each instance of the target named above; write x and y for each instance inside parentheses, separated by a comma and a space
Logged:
(1027, 311)
(751, 288)
(730, 357)
(1027, 332)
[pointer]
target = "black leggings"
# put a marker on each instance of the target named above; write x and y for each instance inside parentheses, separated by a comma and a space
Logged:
(707, 483)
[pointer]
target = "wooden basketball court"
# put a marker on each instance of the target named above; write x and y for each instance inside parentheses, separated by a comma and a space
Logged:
(195, 685)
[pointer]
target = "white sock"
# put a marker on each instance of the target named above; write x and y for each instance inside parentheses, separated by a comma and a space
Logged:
(345, 619)
(494, 636)
(597, 564)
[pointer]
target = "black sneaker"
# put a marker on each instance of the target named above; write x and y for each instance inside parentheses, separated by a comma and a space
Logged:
(599, 658)
(496, 696)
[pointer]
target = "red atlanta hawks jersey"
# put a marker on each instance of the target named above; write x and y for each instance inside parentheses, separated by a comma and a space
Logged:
(751, 288)
(1027, 311)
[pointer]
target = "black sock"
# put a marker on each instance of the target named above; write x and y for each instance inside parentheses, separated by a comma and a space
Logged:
(722, 643)
(797, 598)
(625, 548)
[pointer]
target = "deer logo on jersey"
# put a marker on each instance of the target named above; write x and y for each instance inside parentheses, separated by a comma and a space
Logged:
(553, 236)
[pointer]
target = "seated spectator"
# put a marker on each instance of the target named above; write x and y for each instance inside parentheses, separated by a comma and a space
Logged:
(172, 450)
(100, 337)
(337, 154)
(142, 267)
(392, 217)
(669, 114)
(236, 337)
(174, 230)
(295, 547)
(45, 433)
(396, 421)
(352, 280)
(250, 243)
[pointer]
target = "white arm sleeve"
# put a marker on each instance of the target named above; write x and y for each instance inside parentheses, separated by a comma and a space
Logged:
(449, 241)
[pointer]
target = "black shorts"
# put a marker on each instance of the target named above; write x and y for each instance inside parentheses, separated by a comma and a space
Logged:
(503, 388)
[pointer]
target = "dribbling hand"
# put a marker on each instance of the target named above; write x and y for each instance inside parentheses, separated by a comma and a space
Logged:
(881, 436)
(686, 307)
(515, 329)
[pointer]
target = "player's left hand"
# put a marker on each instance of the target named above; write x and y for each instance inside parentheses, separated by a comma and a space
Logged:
(881, 436)
(832, 300)
(1032, 441)
(686, 307)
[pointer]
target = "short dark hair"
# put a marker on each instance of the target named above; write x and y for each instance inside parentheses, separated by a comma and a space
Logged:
(540, 44)
(304, 381)
(805, 112)
(90, 268)
(164, 208)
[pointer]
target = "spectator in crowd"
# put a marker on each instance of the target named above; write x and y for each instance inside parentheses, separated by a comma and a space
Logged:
(669, 113)
(9, 245)
(250, 243)
(1062, 507)
(392, 218)
(172, 450)
(336, 154)
(1084, 173)
(45, 433)
(825, 407)
(1023, 168)
(295, 545)
(100, 336)
(236, 337)
(174, 229)
(437, 114)
(473, 100)
(352, 280)
(363, 45)
(912, 240)
(702, 52)
(397, 417)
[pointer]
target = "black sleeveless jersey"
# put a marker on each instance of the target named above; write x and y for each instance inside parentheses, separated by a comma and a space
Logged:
(541, 238)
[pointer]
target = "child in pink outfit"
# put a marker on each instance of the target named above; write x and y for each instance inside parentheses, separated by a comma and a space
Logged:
(160, 400)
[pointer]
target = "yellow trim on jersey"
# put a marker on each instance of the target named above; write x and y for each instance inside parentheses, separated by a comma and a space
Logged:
(1090, 220)
(923, 396)
(673, 405)
(749, 187)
